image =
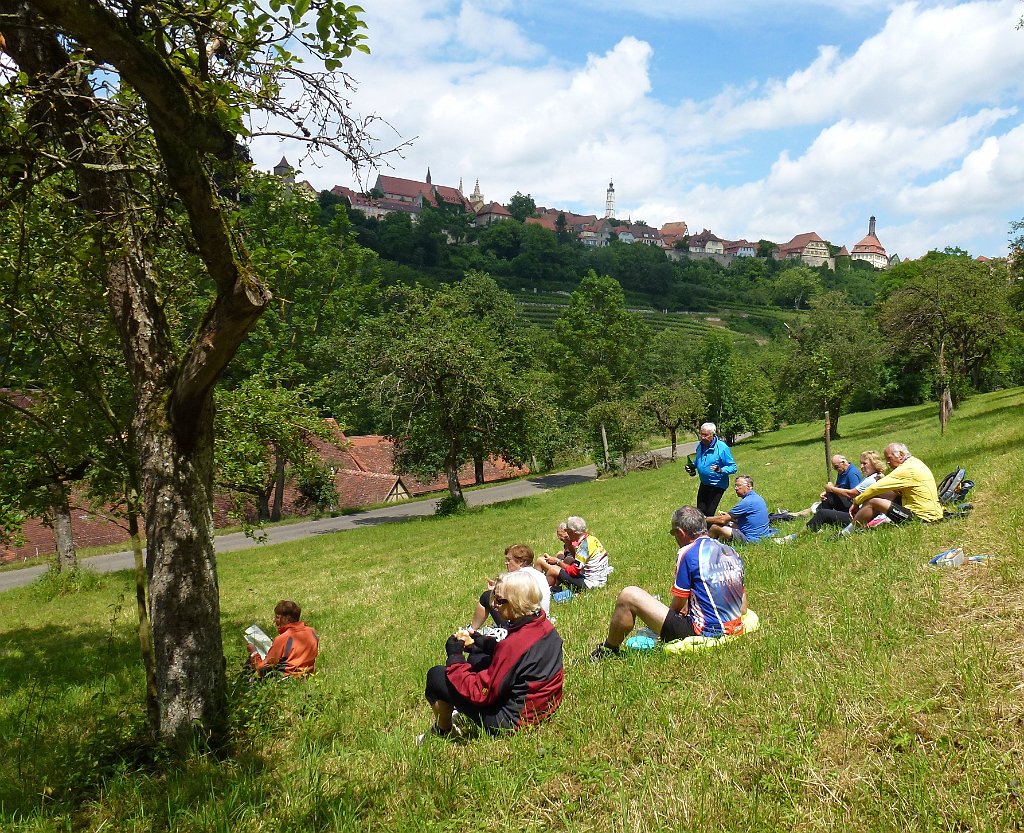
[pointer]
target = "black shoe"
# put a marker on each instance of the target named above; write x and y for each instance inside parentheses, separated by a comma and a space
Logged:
(603, 651)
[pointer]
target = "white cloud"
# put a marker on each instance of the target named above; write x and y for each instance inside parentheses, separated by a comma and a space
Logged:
(482, 33)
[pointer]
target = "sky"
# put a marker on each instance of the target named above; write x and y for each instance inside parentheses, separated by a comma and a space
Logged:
(754, 119)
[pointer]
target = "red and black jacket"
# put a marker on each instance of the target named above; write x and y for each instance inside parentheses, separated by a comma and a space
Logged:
(523, 683)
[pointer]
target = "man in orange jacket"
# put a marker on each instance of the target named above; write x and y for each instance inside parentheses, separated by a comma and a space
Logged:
(294, 650)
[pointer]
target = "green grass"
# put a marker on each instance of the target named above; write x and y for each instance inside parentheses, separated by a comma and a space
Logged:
(880, 693)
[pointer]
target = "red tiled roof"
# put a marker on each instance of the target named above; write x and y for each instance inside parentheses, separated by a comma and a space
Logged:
(495, 208)
(799, 243)
(869, 245)
(449, 194)
(403, 187)
(545, 222)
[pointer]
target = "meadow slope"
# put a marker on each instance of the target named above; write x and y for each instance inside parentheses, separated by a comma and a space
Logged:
(880, 693)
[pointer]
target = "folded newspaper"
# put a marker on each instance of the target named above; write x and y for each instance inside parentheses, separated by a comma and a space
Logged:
(255, 635)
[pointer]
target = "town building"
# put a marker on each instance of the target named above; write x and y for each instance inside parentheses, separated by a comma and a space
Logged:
(809, 249)
(869, 249)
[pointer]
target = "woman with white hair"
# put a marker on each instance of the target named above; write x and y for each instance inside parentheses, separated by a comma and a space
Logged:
(520, 686)
(713, 462)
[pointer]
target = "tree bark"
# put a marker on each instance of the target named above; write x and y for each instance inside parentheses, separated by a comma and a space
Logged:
(142, 608)
(275, 512)
(451, 470)
(60, 522)
(478, 469)
(673, 432)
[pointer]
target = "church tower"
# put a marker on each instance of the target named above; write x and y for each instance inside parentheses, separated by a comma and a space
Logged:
(476, 199)
(284, 171)
(609, 201)
(428, 175)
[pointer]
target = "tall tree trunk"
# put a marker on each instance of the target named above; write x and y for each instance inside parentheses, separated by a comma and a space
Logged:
(451, 470)
(184, 600)
(145, 633)
(945, 395)
(478, 469)
(672, 432)
(275, 512)
(604, 445)
(828, 445)
(60, 522)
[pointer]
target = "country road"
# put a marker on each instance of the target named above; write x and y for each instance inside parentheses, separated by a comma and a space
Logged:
(112, 562)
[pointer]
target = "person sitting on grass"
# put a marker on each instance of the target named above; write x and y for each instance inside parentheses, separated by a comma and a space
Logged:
(295, 648)
(872, 463)
(908, 492)
(522, 684)
(836, 495)
(587, 568)
(517, 557)
(747, 521)
(709, 596)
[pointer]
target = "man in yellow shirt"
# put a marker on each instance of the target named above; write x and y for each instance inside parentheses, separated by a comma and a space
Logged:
(905, 493)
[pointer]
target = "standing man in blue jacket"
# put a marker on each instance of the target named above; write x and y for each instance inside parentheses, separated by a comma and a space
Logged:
(713, 462)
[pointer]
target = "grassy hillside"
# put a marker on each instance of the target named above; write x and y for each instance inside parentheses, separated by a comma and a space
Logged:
(880, 693)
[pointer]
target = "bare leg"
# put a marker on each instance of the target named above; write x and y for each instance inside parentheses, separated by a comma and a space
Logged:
(722, 533)
(870, 508)
(479, 617)
(631, 603)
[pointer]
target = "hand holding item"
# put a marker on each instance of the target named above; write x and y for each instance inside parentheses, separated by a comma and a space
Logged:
(455, 646)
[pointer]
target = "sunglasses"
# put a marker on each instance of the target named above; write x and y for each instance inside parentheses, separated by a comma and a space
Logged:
(497, 601)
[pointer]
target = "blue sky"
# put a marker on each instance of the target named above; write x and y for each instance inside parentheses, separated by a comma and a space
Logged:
(754, 119)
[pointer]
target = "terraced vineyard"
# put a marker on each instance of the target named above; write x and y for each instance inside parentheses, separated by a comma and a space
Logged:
(756, 322)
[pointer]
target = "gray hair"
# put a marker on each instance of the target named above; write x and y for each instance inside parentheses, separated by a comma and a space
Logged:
(746, 477)
(710, 426)
(690, 520)
(901, 449)
(576, 524)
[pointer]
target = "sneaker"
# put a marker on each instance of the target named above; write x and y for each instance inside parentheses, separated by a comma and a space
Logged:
(785, 539)
(453, 734)
(603, 651)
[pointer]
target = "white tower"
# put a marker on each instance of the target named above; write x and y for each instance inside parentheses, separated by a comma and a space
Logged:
(609, 201)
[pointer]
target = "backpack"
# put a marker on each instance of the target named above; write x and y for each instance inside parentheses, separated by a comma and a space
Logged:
(954, 487)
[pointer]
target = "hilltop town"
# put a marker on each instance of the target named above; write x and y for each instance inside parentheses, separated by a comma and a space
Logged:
(392, 194)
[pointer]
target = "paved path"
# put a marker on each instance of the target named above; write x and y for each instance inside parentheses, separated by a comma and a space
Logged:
(526, 487)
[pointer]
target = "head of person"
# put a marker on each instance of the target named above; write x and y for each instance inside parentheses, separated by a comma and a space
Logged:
(562, 532)
(576, 527)
(517, 557)
(515, 595)
(896, 454)
(707, 433)
(688, 522)
(286, 611)
(840, 463)
(871, 462)
(744, 485)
